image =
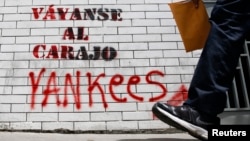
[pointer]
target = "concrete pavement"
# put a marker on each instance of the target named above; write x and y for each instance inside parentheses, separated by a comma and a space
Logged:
(27, 136)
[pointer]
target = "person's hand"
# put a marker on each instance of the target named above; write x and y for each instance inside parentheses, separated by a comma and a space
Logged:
(196, 3)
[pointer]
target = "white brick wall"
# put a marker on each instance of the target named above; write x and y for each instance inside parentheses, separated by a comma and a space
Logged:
(147, 46)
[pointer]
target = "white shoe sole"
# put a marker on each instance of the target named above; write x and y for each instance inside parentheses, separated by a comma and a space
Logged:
(192, 129)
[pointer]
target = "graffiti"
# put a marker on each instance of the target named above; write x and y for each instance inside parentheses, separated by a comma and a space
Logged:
(60, 13)
(67, 52)
(101, 14)
(71, 36)
(178, 98)
(116, 80)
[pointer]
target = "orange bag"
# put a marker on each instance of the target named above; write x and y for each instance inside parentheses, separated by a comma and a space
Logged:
(192, 22)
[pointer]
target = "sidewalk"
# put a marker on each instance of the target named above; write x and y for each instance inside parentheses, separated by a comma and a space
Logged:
(25, 136)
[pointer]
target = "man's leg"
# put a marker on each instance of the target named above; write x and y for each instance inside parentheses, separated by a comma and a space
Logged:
(214, 72)
(216, 68)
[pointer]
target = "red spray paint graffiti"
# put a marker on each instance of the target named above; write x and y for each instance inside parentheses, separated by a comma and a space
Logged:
(116, 80)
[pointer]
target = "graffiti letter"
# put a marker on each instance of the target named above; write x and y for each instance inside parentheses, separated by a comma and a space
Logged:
(91, 88)
(116, 80)
(82, 52)
(35, 85)
(103, 16)
(97, 52)
(70, 33)
(133, 80)
(76, 15)
(109, 53)
(36, 51)
(76, 92)
(116, 14)
(148, 79)
(48, 90)
(36, 13)
(50, 13)
(81, 35)
(53, 52)
(62, 13)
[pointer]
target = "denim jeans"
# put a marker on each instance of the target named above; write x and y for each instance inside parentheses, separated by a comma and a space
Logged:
(230, 23)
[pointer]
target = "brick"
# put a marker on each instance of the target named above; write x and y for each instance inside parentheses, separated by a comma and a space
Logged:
(132, 30)
(130, 2)
(164, 62)
(7, 40)
(121, 107)
(90, 126)
(47, 31)
(77, 2)
(17, 2)
(5, 89)
(42, 117)
(159, 15)
(134, 62)
(16, 17)
(45, 2)
(113, 63)
(24, 108)
(117, 38)
(102, 2)
(15, 48)
(9, 99)
(146, 22)
(22, 89)
(158, 1)
(10, 24)
(4, 126)
(14, 64)
(12, 117)
(133, 15)
(74, 117)
(126, 55)
(102, 30)
(45, 63)
(168, 22)
(15, 32)
(160, 30)
(134, 116)
(189, 61)
(122, 125)
(26, 125)
(180, 70)
(30, 24)
(24, 56)
(8, 10)
(107, 116)
(162, 45)
(171, 37)
(124, 23)
(57, 125)
(52, 108)
(146, 38)
(5, 108)
(6, 56)
(123, 71)
(145, 106)
(144, 7)
(148, 54)
(176, 53)
(155, 124)
(133, 46)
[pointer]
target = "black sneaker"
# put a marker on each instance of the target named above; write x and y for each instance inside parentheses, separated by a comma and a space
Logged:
(184, 118)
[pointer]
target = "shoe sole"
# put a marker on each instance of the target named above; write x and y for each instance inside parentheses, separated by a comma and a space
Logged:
(178, 123)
